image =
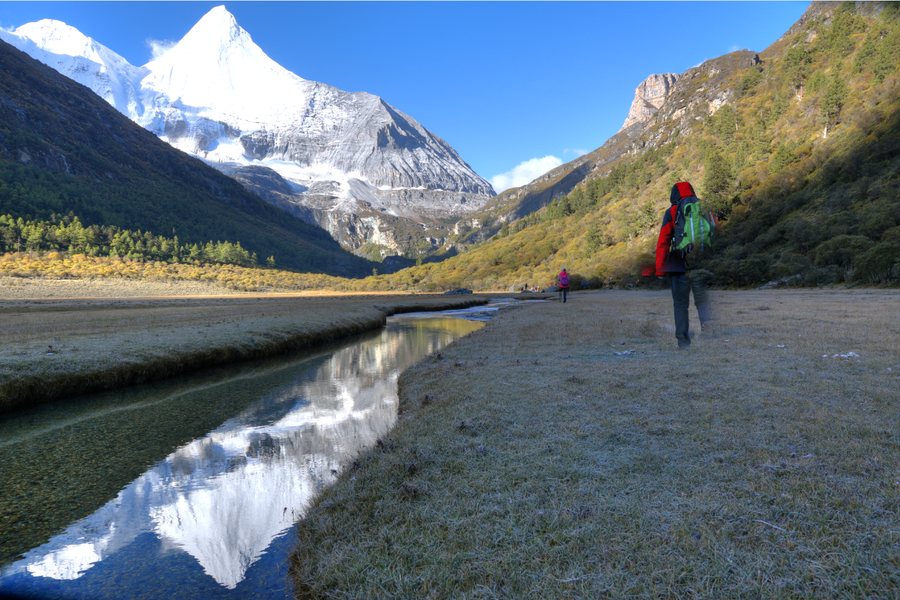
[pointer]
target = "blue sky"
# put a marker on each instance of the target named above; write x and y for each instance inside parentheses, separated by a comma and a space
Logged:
(515, 87)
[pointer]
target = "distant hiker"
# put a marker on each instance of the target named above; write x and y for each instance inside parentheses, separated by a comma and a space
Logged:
(671, 262)
(562, 281)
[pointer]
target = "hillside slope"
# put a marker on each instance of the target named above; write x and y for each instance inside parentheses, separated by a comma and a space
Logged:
(797, 148)
(63, 149)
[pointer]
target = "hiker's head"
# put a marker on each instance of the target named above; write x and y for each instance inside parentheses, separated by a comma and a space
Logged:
(680, 190)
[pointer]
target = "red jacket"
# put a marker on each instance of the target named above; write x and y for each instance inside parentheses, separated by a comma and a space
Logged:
(671, 262)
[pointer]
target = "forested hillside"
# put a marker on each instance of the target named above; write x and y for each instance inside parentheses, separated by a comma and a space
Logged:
(797, 149)
(64, 150)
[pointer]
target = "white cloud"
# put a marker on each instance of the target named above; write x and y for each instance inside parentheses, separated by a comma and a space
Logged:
(159, 47)
(524, 172)
(576, 151)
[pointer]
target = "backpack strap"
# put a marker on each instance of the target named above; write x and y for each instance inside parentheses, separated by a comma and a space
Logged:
(674, 210)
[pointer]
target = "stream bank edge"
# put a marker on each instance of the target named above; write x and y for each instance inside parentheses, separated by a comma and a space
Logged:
(24, 382)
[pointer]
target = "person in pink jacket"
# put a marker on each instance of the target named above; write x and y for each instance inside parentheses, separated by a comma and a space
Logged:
(562, 284)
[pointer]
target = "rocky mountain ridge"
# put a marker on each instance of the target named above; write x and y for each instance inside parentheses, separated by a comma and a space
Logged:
(661, 98)
(666, 107)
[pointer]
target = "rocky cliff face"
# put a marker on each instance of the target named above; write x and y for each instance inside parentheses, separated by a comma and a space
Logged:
(698, 93)
(649, 97)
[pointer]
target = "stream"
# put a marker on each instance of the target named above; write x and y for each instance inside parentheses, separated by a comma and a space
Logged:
(189, 488)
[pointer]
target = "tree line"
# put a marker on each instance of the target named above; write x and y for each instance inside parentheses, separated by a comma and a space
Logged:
(68, 234)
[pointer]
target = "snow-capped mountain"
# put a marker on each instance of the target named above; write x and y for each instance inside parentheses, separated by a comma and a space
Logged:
(347, 161)
(82, 59)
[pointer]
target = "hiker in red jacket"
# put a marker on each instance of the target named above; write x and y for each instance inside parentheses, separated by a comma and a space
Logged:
(562, 282)
(672, 264)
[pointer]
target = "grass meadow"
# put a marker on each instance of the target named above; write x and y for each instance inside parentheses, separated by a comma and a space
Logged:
(571, 451)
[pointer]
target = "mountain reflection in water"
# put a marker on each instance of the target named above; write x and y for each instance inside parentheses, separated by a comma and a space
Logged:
(225, 501)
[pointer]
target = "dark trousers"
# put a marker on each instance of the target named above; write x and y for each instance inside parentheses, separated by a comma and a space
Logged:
(682, 286)
(562, 292)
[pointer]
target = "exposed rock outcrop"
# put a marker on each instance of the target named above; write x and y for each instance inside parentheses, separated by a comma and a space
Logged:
(649, 97)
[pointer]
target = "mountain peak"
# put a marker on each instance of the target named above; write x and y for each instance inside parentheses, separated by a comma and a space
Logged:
(78, 57)
(329, 154)
(219, 13)
(56, 36)
(218, 66)
(218, 25)
(214, 41)
(48, 31)
(649, 96)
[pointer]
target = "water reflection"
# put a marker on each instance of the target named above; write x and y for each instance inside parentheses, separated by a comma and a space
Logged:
(219, 501)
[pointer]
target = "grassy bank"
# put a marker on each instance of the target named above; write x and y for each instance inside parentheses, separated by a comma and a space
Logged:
(55, 348)
(541, 458)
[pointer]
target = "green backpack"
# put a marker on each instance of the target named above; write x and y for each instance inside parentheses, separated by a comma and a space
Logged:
(694, 228)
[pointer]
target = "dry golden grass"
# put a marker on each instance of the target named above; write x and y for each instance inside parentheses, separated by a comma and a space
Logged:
(533, 461)
(56, 348)
(22, 288)
(60, 266)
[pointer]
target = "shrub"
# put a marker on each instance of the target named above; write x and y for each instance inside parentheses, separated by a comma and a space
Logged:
(788, 265)
(813, 276)
(841, 250)
(724, 272)
(753, 269)
(879, 263)
(750, 80)
(575, 280)
(891, 235)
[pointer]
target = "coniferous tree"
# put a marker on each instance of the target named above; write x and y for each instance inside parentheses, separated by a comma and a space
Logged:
(716, 182)
(888, 56)
(833, 101)
(797, 62)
